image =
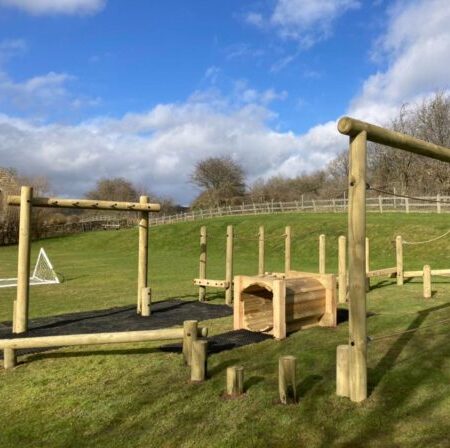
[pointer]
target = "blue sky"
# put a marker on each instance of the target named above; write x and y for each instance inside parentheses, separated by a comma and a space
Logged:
(145, 89)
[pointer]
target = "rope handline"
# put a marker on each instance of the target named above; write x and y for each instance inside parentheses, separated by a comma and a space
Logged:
(427, 241)
(412, 330)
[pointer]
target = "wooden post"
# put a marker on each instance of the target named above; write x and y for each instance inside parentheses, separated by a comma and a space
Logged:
(261, 255)
(199, 360)
(202, 266)
(322, 254)
(438, 203)
(286, 379)
(399, 257)
(427, 282)
(357, 267)
(20, 324)
(367, 264)
(9, 358)
(287, 249)
(190, 330)
(229, 266)
(380, 203)
(407, 205)
(342, 269)
(235, 381)
(342, 373)
(146, 296)
(143, 253)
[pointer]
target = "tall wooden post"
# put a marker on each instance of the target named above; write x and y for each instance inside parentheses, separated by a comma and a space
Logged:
(143, 253)
(20, 324)
(322, 254)
(342, 374)
(399, 257)
(146, 302)
(199, 360)
(342, 269)
(261, 255)
(357, 268)
(202, 266)
(287, 249)
(229, 266)
(190, 332)
(427, 282)
(438, 203)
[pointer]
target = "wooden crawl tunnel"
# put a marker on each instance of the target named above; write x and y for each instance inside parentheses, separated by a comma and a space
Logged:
(282, 303)
(26, 201)
(353, 371)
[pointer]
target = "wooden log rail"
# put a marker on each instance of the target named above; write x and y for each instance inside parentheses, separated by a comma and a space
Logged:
(10, 345)
(87, 204)
(213, 283)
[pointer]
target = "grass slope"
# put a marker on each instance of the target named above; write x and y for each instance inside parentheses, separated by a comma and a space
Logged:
(135, 396)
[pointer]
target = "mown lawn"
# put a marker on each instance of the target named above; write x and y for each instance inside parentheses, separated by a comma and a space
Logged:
(136, 396)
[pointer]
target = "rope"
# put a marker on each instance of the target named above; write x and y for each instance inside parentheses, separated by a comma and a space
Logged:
(427, 241)
(397, 195)
(412, 330)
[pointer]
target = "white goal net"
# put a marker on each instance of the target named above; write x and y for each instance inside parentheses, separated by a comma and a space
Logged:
(43, 273)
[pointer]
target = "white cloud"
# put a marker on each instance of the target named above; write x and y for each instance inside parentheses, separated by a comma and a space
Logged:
(306, 21)
(43, 7)
(416, 46)
(42, 96)
(160, 147)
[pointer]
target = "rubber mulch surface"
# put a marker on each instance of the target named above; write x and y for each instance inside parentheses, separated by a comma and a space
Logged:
(164, 314)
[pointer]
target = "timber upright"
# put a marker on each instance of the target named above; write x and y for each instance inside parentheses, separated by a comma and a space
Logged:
(360, 132)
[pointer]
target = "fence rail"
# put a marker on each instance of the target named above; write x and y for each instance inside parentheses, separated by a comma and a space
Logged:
(379, 204)
(375, 204)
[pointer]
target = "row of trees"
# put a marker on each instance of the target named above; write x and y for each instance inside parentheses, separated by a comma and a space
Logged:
(222, 180)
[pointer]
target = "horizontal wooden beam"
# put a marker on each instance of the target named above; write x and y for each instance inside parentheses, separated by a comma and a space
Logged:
(350, 126)
(87, 204)
(381, 272)
(213, 283)
(411, 274)
(97, 338)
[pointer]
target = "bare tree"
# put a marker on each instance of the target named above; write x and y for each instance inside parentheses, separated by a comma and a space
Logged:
(221, 179)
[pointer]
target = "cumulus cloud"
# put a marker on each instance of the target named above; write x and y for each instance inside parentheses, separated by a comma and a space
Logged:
(416, 48)
(159, 147)
(306, 21)
(44, 7)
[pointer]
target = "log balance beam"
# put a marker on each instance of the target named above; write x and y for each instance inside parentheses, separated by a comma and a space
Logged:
(26, 202)
(10, 345)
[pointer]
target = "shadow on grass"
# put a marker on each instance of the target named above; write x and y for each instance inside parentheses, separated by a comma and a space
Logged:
(85, 353)
(307, 385)
(252, 381)
(388, 361)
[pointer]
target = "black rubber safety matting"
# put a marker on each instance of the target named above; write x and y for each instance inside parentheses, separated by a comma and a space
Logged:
(164, 314)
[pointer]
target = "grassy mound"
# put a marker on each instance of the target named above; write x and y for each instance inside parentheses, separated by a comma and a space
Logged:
(136, 396)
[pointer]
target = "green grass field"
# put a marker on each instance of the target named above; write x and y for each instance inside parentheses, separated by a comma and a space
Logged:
(136, 396)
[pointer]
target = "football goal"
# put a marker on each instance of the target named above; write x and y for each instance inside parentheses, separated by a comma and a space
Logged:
(43, 273)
